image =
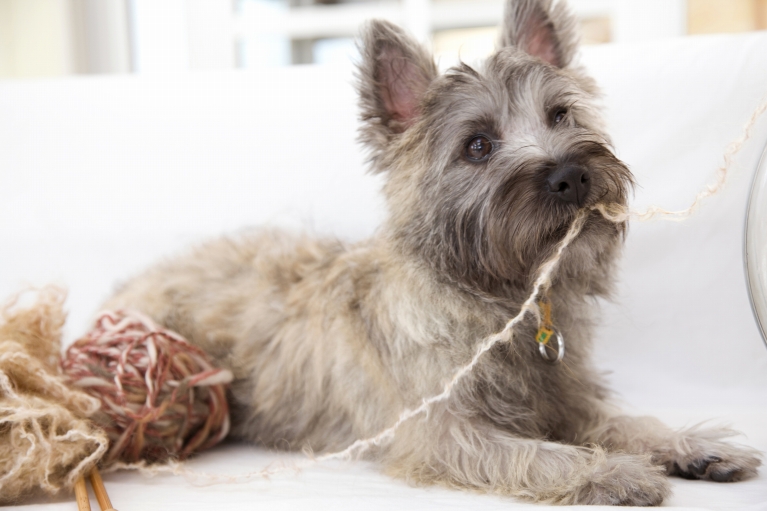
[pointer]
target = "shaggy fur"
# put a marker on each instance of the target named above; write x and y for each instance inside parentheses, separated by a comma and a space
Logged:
(330, 342)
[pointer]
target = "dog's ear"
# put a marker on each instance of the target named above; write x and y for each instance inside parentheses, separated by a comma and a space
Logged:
(393, 75)
(542, 29)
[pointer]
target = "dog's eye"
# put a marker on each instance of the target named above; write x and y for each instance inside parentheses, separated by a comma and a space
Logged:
(478, 148)
(560, 115)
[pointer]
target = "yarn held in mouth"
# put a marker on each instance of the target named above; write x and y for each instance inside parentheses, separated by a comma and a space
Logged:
(161, 398)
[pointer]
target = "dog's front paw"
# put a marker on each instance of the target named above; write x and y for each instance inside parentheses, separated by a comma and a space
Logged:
(717, 461)
(625, 480)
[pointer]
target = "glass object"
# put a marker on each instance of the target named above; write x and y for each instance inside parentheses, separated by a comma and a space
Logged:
(756, 245)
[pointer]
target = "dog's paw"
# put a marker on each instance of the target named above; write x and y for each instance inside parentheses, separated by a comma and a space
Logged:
(625, 480)
(717, 461)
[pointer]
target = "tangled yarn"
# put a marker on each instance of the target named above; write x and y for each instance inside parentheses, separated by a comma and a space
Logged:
(161, 398)
(46, 438)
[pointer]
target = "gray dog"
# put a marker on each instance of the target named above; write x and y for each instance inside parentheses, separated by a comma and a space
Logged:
(485, 171)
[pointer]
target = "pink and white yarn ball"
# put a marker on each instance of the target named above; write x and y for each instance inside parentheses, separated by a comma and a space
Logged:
(161, 398)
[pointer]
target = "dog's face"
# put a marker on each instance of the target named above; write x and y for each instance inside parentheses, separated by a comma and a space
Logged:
(487, 168)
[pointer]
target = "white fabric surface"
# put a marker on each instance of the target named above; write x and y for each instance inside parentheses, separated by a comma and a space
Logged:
(101, 176)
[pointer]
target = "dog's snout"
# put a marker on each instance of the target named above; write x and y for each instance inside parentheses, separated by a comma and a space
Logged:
(570, 183)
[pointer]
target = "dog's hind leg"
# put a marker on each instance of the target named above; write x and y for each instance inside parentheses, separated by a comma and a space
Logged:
(693, 453)
(455, 451)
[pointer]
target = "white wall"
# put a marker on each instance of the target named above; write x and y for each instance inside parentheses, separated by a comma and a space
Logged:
(35, 38)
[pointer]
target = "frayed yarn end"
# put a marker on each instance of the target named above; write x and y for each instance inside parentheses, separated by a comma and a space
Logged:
(46, 438)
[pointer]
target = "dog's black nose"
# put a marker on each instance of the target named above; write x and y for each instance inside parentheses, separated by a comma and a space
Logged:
(570, 183)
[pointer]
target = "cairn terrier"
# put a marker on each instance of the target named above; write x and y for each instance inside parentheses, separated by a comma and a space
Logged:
(485, 170)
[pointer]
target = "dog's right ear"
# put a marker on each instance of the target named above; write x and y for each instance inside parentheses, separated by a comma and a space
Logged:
(393, 75)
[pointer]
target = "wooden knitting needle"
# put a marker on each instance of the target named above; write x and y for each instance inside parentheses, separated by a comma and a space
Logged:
(81, 495)
(100, 490)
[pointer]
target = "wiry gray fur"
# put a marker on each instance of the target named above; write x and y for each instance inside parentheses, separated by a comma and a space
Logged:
(330, 342)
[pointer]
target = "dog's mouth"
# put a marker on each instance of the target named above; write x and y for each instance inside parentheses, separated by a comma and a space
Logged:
(599, 229)
(607, 218)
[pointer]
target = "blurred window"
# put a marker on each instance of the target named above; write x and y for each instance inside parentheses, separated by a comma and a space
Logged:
(60, 37)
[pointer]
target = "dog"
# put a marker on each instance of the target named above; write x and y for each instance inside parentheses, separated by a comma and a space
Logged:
(485, 170)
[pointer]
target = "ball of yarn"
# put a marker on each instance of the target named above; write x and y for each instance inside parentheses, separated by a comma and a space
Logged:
(161, 398)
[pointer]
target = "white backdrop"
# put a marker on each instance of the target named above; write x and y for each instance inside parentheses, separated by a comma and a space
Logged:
(101, 176)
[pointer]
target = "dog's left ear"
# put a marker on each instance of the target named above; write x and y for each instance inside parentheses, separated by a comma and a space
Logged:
(393, 76)
(541, 28)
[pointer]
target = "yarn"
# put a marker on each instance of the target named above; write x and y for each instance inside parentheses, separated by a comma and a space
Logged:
(155, 396)
(46, 438)
(619, 214)
(161, 398)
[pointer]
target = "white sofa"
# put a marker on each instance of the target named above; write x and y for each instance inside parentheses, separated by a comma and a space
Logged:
(101, 176)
